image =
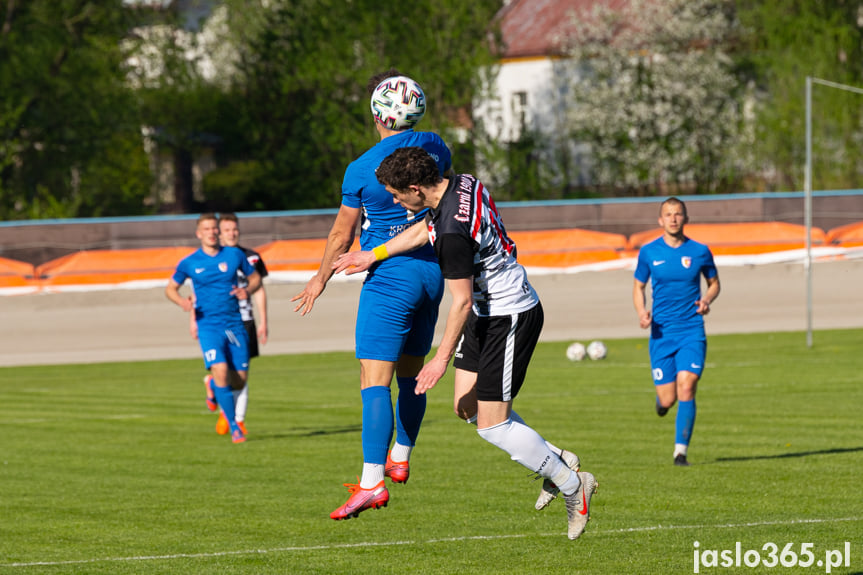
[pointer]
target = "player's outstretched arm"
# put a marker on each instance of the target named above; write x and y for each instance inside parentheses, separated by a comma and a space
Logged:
(357, 262)
(338, 242)
(638, 300)
(461, 291)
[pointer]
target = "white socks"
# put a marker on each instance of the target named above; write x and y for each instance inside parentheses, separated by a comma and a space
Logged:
(401, 452)
(517, 418)
(241, 402)
(527, 447)
(680, 449)
(373, 473)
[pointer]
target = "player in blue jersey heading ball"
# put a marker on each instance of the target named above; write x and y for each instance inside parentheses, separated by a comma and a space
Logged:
(674, 264)
(214, 272)
(400, 297)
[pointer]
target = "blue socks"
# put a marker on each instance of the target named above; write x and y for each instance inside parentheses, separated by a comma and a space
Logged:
(225, 399)
(377, 423)
(685, 421)
(410, 410)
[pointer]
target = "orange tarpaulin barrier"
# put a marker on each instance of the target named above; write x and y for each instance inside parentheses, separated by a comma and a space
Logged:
(848, 235)
(542, 248)
(16, 274)
(566, 248)
(112, 266)
(567, 259)
(566, 240)
(741, 238)
(546, 248)
(294, 255)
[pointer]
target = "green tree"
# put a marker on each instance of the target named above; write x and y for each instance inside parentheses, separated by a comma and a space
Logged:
(783, 42)
(70, 141)
(651, 89)
(299, 102)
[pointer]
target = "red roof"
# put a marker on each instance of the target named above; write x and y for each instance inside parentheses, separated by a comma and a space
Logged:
(533, 27)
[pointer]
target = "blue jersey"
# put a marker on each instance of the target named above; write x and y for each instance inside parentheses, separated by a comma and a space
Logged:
(382, 219)
(400, 297)
(676, 277)
(213, 278)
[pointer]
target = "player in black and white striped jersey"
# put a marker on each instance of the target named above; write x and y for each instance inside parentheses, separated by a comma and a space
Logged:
(494, 321)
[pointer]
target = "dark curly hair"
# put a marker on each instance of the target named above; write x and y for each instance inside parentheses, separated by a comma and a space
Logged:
(407, 167)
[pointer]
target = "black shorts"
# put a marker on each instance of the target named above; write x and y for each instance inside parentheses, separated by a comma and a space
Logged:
(498, 349)
(252, 331)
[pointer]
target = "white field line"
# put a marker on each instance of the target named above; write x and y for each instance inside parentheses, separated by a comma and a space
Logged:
(300, 549)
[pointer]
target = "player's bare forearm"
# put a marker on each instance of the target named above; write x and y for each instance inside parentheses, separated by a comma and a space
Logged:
(255, 283)
(172, 292)
(713, 289)
(339, 241)
(337, 244)
(459, 312)
(193, 325)
(260, 299)
(638, 301)
(356, 262)
(709, 297)
(412, 238)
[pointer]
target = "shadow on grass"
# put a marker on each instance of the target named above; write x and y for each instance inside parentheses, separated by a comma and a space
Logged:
(787, 455)
(307, 432)
(318, 431)
(331, 431)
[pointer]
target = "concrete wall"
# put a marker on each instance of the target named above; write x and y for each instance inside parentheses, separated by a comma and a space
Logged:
(40, 241)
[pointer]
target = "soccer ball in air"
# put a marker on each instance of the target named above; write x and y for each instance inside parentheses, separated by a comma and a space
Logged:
(398, 103)
(575, 352)
(596, 350)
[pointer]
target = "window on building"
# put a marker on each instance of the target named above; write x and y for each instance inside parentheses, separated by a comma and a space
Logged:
(519, 113)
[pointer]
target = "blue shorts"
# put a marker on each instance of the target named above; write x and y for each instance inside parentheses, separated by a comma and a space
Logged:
(398, 309)
(670, 355)
(229, 346)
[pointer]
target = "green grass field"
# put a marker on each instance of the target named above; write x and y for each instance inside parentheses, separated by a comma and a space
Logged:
(115, 468)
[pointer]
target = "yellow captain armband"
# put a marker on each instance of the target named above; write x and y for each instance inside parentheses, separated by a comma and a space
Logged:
(381, 252)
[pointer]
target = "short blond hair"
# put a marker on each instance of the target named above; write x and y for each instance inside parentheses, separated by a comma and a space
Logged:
(674, 202)
(206, 216)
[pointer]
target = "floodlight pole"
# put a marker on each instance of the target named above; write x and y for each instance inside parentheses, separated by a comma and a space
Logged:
(807, 192)
(807, 211)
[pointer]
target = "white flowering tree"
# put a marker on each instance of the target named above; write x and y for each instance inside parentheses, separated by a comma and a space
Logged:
(654, 97)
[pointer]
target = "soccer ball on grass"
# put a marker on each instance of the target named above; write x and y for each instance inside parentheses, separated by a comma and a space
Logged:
(575, 352)
(596, 350)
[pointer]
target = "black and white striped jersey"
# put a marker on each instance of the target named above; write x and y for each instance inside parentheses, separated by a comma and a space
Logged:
(254, 259)
(470, 241)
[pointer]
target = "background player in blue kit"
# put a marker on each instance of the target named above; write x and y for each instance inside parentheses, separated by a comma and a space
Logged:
(400, 297)
(229, 235)
(213, 271)
(678, 345)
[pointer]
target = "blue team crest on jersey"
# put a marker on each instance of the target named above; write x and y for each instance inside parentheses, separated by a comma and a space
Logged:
(223, 266)
(686, 261)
